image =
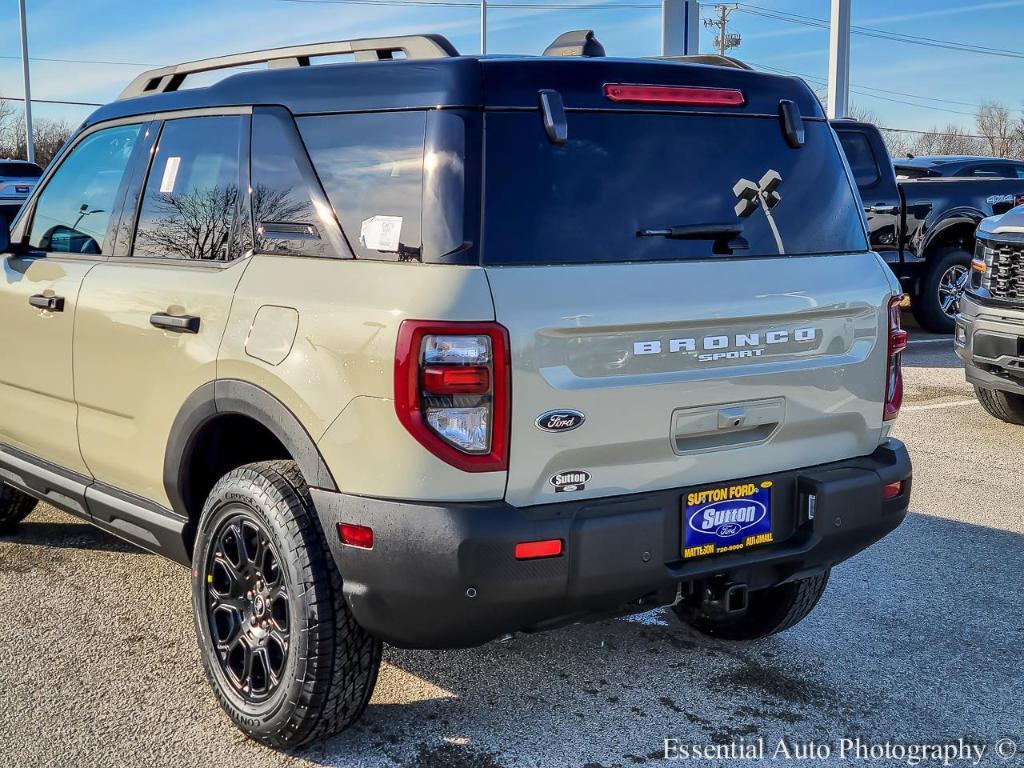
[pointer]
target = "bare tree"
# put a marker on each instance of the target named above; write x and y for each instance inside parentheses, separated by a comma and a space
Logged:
(49, 135)
(1003, 133)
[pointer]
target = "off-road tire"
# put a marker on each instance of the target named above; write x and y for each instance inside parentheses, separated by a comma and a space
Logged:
(331, 662)
(1005, 406)
(769, 611)
(15, 506)
(925, 304)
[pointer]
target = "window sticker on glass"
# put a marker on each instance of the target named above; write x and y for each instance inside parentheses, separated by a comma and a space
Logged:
(170, 175)
(381, 233)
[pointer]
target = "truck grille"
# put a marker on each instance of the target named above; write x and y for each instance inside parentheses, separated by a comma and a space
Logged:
(1006, 273)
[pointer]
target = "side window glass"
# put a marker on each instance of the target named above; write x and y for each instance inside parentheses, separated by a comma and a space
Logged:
(74, 209)
(371, 166)
(283, 208)
(191, 197)
(1020, 171)
(860, 157)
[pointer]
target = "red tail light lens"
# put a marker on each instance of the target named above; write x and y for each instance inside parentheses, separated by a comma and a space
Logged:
(693, 96)
(894, 367)
(355, 535)
(457, 380)
(452, 391)
(892, 490)
(533, 550)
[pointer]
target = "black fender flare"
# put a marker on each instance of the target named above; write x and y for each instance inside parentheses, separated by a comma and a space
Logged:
(962, 217)
(232, 396)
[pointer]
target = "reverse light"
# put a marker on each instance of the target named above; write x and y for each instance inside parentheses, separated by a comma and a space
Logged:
(452, 391)
(894, 366)
(534, 550)
(693, 96)
(355, 535)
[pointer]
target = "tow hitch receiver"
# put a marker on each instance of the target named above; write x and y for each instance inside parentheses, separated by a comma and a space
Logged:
(723, 598)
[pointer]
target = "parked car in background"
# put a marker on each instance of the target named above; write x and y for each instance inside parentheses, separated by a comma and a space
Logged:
(989, 336)
(17, 180)
(931, 166)
(923, 228)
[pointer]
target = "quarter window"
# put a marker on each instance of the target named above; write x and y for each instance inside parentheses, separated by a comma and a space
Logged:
(371, 166)
(75, 206)
(192, 194)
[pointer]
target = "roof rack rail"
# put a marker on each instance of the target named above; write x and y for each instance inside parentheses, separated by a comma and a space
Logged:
(170, 78)
(712, 59)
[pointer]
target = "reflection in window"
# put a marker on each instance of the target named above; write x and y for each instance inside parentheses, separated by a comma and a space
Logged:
(74, 208)
(282, 205)
(191, 196)
(371, 166)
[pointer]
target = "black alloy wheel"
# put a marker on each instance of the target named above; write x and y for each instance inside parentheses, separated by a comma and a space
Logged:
(247, 607)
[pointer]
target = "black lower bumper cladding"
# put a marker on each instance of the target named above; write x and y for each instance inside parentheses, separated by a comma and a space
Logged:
(444, 575)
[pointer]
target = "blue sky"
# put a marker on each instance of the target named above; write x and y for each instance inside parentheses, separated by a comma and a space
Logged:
(947, 84)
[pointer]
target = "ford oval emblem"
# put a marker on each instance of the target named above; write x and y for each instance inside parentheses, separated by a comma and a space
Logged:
(560, 421)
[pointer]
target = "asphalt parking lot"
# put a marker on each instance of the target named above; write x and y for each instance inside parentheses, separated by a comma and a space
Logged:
(916, 640)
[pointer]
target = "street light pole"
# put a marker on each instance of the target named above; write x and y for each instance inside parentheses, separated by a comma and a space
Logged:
(30, 148)
(483, 27)
(839, 60)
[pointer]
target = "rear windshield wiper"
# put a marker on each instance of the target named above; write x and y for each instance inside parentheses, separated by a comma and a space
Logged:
(725, 238)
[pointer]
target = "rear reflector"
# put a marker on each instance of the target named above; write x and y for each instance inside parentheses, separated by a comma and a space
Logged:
(674, 94)
(892, 490)
(532, 550)
(355, 535)
(449, 380)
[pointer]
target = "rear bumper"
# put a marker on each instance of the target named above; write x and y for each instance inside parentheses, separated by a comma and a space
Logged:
(990, 342)
(442, 576)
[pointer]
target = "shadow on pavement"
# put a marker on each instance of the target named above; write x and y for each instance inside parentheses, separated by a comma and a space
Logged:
(915, 639)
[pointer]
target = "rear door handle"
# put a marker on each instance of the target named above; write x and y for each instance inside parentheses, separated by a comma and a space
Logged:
(175, 323)
(51, 303)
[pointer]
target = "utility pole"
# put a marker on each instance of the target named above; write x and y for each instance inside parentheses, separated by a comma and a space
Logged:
(483, 27)
(839, 60)
(30, 148)
(680, 27)
(724, 41)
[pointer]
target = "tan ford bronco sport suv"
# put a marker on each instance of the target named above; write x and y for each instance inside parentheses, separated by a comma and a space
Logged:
(428, 349)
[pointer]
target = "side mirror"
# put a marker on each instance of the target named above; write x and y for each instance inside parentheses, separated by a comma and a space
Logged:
(5, 235)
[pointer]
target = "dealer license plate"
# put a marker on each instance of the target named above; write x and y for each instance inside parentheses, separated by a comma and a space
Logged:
(729, 518)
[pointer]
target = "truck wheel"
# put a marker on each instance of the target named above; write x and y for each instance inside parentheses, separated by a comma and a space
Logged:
(938, 299)
(14, 507)
(283, 653)
(1005, 406)
(768, 612)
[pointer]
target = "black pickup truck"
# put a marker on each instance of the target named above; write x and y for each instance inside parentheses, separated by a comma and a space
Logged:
(923, 228)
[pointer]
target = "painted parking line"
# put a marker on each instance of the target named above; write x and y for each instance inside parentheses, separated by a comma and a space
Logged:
(936, 406)
(931, 341)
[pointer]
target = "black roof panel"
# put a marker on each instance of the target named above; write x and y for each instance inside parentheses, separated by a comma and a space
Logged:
(464, 81)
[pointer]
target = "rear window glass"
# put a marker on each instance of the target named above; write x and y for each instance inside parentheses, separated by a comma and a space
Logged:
(371, 167)
(623, 173)
(861, 158)
(23, 170)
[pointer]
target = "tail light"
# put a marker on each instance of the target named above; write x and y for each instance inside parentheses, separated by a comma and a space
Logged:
(452, 391)
(894, 367)
(693, 96)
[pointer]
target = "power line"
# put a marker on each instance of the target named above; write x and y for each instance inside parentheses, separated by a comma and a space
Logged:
(930, 42)
(863, 90)
(85, 61)
(53, 101)
(476, 5)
